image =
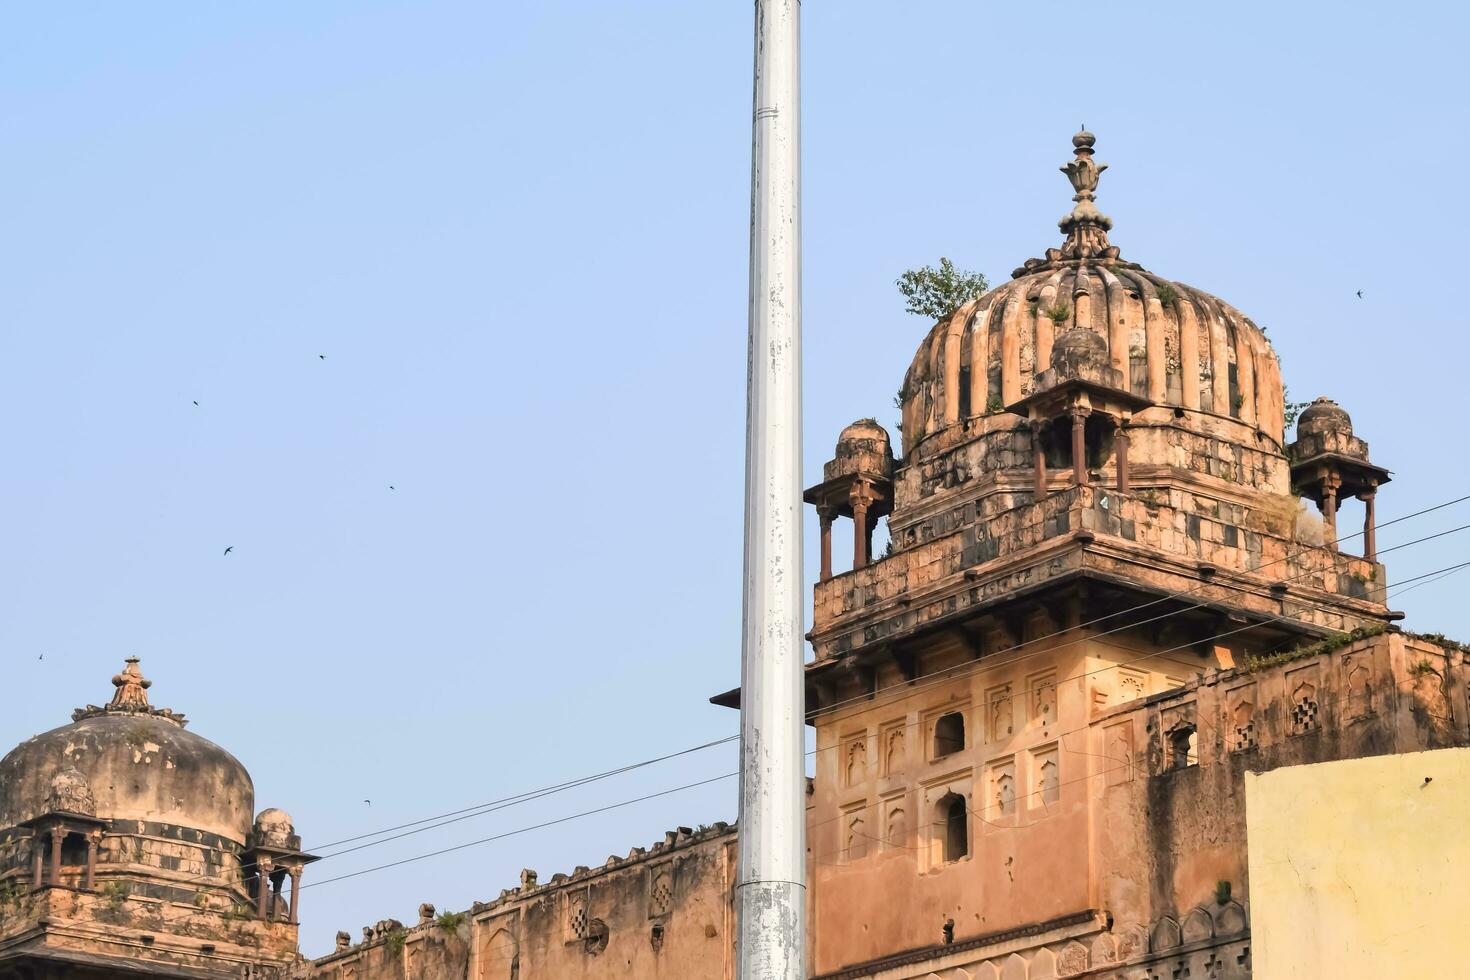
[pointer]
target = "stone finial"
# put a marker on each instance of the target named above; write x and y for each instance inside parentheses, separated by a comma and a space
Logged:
(1086, 227)
(528, 878)
(426, 913)
(344, 939)
(131, 697)
(132, 687)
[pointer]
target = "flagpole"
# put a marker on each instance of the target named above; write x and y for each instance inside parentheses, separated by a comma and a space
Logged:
(771, 879)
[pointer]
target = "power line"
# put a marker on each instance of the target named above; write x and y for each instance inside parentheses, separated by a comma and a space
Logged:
(574, 783)
(907, 689)
(988, 663)
(705, 782)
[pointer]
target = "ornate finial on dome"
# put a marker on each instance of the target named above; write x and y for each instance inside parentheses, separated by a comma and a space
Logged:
(132, 687)
(131, 697)
(1086, 227)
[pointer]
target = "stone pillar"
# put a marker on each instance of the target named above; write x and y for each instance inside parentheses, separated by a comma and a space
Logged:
(295, 873)
(58, 834)
(1370, 529)
(825, 515)
(1038, 455)
(861, 535)
(1329, 510)
(38, 860)
(1121, 452)
(1079, 446)
(262, 886)
(94, 840)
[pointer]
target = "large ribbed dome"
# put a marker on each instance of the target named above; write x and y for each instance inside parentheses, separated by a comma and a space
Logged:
(139, 763)
(1174, 344)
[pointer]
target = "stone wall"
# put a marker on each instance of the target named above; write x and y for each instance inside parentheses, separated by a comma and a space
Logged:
(661, 912)
(1106, 817)
(119, 926)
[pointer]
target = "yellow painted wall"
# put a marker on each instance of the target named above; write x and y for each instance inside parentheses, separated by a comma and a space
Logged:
(1359, 868)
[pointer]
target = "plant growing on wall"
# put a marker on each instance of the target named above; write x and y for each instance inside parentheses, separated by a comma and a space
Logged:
(1058, 314)
(936, 293)
(1289, 411)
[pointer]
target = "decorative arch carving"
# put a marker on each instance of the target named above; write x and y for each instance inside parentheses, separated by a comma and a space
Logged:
(500, 957)
(1073, 960)
(1230, 919)
(1014, 968)
(1164, 935)
(1197, 926)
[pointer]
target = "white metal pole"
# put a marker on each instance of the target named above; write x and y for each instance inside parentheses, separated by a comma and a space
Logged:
(771, 884)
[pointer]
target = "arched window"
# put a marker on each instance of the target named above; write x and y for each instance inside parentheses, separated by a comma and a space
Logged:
(898, 829)
(952, 820)
(857, 838)
(1183, 746)
(949, 734)
(500, 959)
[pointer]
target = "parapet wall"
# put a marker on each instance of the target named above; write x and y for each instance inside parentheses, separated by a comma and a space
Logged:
(978, 553)
(661, 912)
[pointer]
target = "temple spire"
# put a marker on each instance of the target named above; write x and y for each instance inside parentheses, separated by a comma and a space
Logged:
(1086, 227)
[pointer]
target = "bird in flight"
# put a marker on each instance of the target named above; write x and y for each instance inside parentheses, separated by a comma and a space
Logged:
(392, 487)
(1360, 294)
(229, 549)
(196, 404)
(322, 357)
(368, 802)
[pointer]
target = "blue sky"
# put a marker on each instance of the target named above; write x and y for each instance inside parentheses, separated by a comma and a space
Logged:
(518, 234)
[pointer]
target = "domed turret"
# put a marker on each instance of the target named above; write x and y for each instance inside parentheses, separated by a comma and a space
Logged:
(1078, 351)
(862, 447)
(1330, 464)
(119, 820)
(1172, 344)
(71, 793)
(858, 483)
(1323, 415)
(273, 828)
(138, 764)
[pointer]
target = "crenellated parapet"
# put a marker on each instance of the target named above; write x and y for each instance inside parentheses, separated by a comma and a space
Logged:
(662, 905)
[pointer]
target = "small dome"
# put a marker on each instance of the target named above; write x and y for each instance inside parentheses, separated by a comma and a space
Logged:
(274, 828)
(863, 436)
(862, 450)
(1323, 415)
(71, 793)
(1077, 346)
(137, 763)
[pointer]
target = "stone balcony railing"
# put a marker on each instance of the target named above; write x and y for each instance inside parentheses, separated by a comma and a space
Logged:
(1180, 538)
